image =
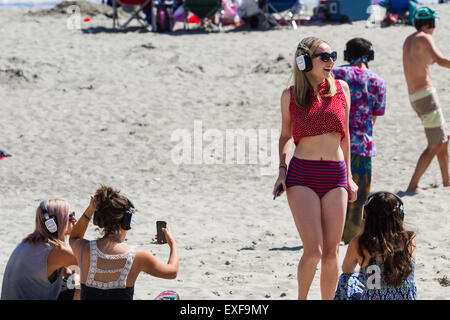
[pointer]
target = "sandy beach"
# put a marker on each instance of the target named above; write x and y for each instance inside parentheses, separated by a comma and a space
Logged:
(89, 106)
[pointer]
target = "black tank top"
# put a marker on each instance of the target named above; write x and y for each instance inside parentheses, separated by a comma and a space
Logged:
(91, 293)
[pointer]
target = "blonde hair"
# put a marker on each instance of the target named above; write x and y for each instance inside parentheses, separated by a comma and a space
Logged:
(302, 80)
(56, 208)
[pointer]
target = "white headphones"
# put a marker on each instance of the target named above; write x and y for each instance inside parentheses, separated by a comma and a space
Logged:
(50, 223)
(304, 62)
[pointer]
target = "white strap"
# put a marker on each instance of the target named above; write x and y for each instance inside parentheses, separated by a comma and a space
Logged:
(93, 268)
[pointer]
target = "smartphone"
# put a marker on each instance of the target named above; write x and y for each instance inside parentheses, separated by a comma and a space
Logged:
(160, 236)
(277, 192)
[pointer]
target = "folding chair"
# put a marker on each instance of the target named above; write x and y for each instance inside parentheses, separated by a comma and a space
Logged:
(284, 8)
(136, 15)
(203, 9)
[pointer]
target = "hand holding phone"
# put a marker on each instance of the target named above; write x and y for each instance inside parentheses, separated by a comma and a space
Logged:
(277, 192)
(160, 236)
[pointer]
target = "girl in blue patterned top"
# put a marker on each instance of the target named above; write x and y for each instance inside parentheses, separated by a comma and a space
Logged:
(385, 252)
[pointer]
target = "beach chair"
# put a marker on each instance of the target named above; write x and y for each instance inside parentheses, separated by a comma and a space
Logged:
(400, 8)
(203, 9)
(284, 9)
(136, 14)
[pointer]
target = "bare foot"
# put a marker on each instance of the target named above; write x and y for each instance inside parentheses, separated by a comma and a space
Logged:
(412, 190)
(447, 184)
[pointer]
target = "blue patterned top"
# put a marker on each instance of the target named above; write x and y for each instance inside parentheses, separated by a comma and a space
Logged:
(368, 99)
(362, 285)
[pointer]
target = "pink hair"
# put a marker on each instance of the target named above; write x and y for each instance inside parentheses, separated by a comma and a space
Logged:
(56, 208)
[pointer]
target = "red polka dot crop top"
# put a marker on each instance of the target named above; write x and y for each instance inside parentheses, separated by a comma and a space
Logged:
(327, 115)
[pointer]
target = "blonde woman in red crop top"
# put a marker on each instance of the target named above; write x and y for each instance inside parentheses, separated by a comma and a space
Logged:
(318, 182)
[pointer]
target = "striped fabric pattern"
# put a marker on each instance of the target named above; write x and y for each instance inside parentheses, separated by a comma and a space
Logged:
(319, 175)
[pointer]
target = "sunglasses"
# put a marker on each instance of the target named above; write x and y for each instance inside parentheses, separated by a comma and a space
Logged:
(325, 56)
(72, 216)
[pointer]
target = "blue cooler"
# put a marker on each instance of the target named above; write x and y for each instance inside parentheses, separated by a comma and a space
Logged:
(349, 10)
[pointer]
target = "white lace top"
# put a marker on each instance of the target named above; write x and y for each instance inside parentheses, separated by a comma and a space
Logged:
(98, 257)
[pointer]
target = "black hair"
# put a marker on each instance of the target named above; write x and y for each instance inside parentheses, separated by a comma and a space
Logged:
(357, 48)
(420, 23)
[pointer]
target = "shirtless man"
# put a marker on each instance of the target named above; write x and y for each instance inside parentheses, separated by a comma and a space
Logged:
(419, 52)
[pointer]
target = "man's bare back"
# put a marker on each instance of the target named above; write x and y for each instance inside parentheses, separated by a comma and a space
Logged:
(417, 58)
(419, 52)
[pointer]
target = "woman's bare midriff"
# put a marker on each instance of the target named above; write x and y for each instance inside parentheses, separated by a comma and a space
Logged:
(324, 147)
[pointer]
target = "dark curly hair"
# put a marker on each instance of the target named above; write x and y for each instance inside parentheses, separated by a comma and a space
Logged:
(110, 209)
(385, 235)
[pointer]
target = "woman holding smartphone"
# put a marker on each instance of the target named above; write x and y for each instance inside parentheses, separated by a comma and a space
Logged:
(318, 183)
(109, 267)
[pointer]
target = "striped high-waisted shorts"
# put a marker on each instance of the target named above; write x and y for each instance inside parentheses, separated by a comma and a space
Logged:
(319, 175)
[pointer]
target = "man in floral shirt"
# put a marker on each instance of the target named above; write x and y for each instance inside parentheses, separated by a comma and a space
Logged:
(368, 100)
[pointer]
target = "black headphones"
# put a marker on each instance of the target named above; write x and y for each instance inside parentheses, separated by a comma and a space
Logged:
(304, 62)
(51, 223)
(371, 196)
(128, 220)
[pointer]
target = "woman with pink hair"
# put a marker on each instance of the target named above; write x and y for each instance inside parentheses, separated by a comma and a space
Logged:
(36, 267)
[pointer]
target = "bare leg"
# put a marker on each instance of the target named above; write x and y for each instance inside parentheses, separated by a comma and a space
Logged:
(171, 19)
(154, 17)
(443, 164)
(305, 207)
(334, 207)
(422, 164)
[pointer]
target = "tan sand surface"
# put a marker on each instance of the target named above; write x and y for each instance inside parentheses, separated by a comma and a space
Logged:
(83, 107)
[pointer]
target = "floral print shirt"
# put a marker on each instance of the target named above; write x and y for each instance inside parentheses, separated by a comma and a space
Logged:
(368, 99)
